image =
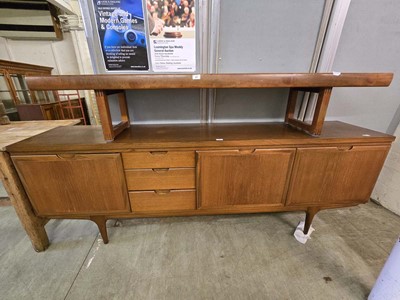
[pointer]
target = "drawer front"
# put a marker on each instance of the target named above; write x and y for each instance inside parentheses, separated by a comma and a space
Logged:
(169, 200)
(160, 179)
(159, 159)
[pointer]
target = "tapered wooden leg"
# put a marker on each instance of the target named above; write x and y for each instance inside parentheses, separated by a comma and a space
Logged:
(310, 213)
(101, 224)
(33, 225)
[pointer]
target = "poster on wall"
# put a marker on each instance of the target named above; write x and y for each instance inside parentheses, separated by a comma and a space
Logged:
(172, 29)
(121, 29)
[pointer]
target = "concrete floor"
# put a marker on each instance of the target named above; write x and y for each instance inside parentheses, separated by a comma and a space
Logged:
(3, 193)
(218, 257)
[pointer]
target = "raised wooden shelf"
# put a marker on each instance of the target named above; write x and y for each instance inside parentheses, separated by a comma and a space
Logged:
(319, 83)
(213, 81)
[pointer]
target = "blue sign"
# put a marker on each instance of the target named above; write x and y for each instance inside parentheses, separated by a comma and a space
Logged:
(121, 29)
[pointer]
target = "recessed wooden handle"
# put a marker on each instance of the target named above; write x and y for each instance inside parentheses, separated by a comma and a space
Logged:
(247, 151)
(66, 156)
(345, 148)
(162, 192)
(158, 152)
(161, 170)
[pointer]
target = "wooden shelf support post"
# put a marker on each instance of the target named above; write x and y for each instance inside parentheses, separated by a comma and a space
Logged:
(315, 127)
(109, 130)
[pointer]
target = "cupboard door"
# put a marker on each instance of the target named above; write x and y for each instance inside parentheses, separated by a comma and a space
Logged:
(243, 178)
(335, 175)
(74, 184)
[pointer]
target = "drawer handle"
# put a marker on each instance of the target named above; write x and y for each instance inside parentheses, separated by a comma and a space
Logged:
(348, 148)
(161, 170)
(158, 152)
(162, 192)
(66, 156)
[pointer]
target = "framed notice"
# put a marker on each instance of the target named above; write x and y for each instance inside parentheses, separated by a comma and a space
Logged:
(121, 29)
(172, 30)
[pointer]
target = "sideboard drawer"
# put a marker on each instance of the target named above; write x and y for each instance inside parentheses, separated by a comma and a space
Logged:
(163, 200)
(158, 159)
(156, 179)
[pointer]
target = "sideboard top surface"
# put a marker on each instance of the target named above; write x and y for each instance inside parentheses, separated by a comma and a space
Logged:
(194, 136)
(153, 81)
(19, 130)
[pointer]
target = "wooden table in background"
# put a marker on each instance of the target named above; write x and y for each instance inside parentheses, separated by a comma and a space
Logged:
(10, 134)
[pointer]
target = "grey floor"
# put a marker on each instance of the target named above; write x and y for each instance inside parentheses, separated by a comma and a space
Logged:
(218, 257)
(3, 193)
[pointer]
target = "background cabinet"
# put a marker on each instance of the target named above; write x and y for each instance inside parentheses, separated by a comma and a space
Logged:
(13, 88)
(25, 105)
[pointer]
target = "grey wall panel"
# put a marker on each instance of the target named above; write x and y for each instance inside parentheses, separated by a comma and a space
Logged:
(250, 105)
(268, 36)
(370, 42)
(262, 37)
(160, 106)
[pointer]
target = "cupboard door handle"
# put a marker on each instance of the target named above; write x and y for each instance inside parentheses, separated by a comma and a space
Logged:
(161, 170)
(247, 151)
(158, 152)
(162, 192)
(345, 148)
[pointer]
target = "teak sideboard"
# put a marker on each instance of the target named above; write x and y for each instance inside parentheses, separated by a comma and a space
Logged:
(128, 170)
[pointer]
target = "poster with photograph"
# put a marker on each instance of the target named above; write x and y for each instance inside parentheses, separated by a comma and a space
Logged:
(172, 29)
(121, 29)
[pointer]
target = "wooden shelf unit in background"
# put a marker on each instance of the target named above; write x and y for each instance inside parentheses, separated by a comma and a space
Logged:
(13, 90)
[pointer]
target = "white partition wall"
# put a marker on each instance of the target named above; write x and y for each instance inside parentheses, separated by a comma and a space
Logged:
(387, 189)
(59, 55)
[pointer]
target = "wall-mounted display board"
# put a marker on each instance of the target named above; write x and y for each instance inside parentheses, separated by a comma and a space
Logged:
(142, 36)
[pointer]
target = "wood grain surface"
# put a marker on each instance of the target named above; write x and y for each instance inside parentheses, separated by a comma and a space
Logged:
(243, 178)
(160, 178)
(74, 184)
(155, 81)
(33, 225)
(335, 174)
(194, 136)
(163, 200)
(158, 159)
(20, 130)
